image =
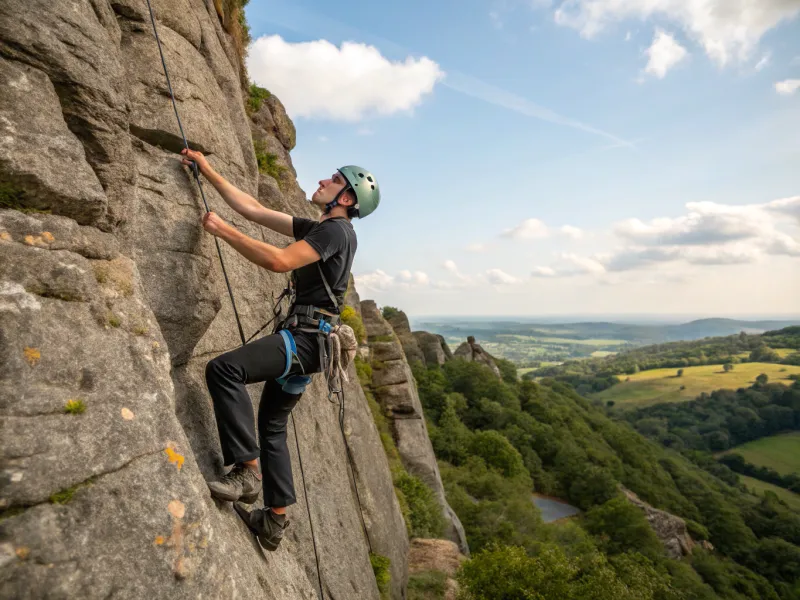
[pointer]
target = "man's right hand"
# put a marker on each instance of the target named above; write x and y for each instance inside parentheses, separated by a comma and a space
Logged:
(190, 156)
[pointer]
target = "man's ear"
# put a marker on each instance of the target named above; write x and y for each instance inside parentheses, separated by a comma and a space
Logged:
(351, 196)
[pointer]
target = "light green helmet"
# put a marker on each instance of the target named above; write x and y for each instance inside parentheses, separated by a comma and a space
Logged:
(365, 187)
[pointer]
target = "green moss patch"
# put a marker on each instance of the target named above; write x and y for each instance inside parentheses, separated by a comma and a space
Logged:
(76, 406)
(268, 162)
(383, 576)
(256, 97)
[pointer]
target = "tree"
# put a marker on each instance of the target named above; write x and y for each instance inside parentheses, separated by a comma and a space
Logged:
(495, 449)
(727, 367)
(762, 379)
(680, 373)
(610, 404)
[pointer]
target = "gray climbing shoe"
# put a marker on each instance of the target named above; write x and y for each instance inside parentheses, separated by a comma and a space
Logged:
(265, 524)
(240, 483)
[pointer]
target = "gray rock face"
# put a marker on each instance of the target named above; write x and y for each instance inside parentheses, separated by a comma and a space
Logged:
(394, 387)
(472, 351)
(432, 347)
(669, 528)
(111, 306)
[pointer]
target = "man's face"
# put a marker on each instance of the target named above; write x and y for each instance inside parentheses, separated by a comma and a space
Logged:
(328, 189)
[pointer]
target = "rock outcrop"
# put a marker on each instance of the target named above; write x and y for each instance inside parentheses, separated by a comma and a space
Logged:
(419, 346)
(111, 303)
(395, 389)
(669, 528)
(472, 351)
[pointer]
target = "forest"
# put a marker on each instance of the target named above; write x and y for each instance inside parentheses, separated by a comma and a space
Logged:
(498, 440)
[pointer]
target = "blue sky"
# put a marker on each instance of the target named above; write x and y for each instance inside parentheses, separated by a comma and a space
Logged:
(662, 133)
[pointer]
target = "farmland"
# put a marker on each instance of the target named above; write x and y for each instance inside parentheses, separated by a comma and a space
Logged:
(779, 452)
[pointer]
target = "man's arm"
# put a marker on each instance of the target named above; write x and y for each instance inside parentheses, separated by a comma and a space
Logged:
(278, 260)
(241, 202)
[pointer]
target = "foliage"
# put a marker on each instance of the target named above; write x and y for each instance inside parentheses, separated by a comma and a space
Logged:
(497, 452)
(381, 569)
(256, 95)
(268, 162)
(76, 406)
(622, 526)
(389, 312)
(350, 317)
(427, 520)
(427, 585)
(737, 463)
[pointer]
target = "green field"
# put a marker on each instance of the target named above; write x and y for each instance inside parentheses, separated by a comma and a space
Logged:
(662, 385)
(758, 487)
(779, 452)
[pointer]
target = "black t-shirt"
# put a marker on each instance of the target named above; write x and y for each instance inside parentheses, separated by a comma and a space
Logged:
(335, 241)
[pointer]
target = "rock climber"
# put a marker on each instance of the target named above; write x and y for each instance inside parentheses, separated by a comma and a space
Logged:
(320, 260)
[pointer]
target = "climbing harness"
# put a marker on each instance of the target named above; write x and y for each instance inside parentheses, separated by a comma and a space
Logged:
(327, 328)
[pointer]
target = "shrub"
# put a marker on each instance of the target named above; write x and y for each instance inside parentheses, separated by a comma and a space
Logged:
(268, 162)
(256, 96)
(383, 576)
(75, 406)
(495, 449)
(427, 520)
(389, 312)
(350, 317)
(427, 585)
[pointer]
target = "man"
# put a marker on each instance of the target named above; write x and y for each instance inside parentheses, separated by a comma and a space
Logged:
(320, 260)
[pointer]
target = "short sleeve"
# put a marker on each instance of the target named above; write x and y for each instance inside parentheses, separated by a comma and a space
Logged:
(327, 239)
(301, 227)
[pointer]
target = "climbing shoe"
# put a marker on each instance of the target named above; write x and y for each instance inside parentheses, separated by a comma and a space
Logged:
(240, 483)
(265, 524)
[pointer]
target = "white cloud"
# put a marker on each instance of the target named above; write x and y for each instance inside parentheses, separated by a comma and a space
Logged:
(787, 87)
(477, 247)
(451, 266)
(663, 54)
(319, 79)
(380, 281)
(543, 272)
(726, 29)
(528, 229)
(575, 233)
(764, 62)
(583, 264)
(499, 277)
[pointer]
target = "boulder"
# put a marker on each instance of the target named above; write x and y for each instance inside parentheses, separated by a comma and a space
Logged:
(669, 528)
(472, 351)
(432, 347)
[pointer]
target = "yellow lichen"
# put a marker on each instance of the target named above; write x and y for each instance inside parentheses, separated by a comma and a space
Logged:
(48, 237)
(174, 457)
(127, 414)
(160, 540)
(5, 236)
(32, 355)
(23, 552)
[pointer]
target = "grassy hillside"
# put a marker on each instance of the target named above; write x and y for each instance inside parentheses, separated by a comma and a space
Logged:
(779, 452)
(662, 385)
(498, 440)
(759, 487)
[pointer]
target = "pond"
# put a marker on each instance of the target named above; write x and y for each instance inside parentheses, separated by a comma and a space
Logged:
(553, 509)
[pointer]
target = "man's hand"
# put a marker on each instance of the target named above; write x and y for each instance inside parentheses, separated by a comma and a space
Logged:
(190, 156)
(214, 224)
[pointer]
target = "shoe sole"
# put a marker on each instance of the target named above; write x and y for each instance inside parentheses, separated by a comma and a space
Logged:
(244, 515)
(247, 499)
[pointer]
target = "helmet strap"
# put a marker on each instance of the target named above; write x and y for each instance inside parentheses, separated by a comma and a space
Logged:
(335, 202)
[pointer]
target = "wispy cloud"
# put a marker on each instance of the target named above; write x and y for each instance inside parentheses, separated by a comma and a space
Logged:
(311, 23)
(787, 87)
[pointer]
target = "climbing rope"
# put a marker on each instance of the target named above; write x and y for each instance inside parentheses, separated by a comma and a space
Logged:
(196, 174)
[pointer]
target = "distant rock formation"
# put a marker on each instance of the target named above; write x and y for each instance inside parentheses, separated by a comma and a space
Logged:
(394, 388)
(472, 351)
(669, 528)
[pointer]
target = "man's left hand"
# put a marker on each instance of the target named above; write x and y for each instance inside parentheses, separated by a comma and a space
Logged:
(214, 224)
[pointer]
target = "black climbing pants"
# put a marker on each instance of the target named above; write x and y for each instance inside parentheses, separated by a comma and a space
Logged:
(227, 377)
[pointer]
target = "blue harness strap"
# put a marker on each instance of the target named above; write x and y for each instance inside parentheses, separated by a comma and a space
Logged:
(296, 384)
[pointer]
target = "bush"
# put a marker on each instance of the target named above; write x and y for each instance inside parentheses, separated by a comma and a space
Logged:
(350, 317)
(497, 452)
(268, 162)
(427, 585)
(383, 576)
(621, 526)
(427, 520)
(389, 312)
(256, 96)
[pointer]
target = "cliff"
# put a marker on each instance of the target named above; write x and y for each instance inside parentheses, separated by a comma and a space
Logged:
(111, 303)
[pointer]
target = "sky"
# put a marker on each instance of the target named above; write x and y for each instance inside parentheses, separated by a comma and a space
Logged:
(537, 157)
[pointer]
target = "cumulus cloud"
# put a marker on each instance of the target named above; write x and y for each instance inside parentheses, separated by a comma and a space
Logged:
(787, 87)
(528, 229)
(572, 232)
(452, 267)
(499, 277)
(709, 233)
(319, 79)
(663, 54)
(726, 29)
(380, 281)
(543, 272)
